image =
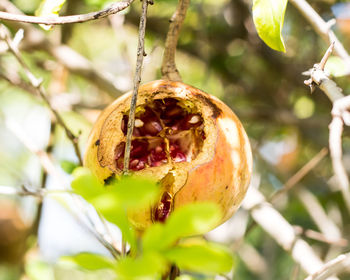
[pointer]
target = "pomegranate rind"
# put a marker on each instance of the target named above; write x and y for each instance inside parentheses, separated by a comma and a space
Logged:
(220, 172)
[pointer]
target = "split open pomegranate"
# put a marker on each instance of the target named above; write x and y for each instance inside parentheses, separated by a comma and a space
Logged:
(189, 141)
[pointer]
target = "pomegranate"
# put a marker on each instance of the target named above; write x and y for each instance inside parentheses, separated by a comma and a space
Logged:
(189, 141)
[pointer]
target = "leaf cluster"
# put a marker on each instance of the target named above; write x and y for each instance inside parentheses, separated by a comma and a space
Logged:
(162, 244)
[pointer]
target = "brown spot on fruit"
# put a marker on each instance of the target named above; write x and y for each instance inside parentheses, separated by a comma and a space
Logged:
(109, 179)
(215, 109)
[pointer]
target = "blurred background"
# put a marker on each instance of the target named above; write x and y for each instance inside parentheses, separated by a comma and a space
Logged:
(219, 52)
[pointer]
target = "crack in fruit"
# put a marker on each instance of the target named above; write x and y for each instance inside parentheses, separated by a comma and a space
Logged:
(165, 131)
(163, 208)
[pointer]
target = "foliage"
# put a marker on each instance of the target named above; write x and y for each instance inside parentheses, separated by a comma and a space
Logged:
(268, 16)
(49, 8)
(160, 245)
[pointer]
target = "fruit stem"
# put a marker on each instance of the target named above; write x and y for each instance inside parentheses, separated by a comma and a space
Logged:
(168, 69)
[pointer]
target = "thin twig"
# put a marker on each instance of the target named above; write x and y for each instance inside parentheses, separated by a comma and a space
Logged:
(168, 69)
(319, 236)
(36, 84)
(333, 267)
(50, 168)
(53, 20)
(322, 28)
(292, 181)
(27, 191)
(137, 80)
(63, 54)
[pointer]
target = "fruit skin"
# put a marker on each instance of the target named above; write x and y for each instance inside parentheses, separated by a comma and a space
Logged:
(221, 173)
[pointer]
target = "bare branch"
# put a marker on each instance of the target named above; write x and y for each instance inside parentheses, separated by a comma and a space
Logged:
(73, 61)
(333, 267)
(320, 236)
(52, 20)
(137, 80)
(50, 168)
(168, 69)
(325, 224)
(36, 84)
(27, 191)
(341, 115)
(281, 231)
(322, 28)
(335, 146)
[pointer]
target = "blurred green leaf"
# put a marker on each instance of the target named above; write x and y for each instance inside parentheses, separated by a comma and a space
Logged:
(68, 166)
(37, 270)
(90, 261)
(113, 201)
(135, 192)
(193, 219)
(203, 258)
(148, 266)
(49, 8)
(113, 211)
(188, 220)
(268, 18)
(86, 184)
(154, 239)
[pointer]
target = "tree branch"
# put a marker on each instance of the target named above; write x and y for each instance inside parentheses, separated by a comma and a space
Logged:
(50, 168)
(137, 80)
(333, 267)
(281, 231)
(36, 85)
(52, 20)
(73, 61)
(322, 28)
(168, 68)
(292, 181)
(26, 191)
(341, 115)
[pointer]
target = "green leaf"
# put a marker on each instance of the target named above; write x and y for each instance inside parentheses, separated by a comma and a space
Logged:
(193, 219)
(112, 210)
(203, 258)
(37, 270)
(135, 192)
(114, 200)
(148, 266)
(154, 239)
(68, 166)
(268, 16)
(90, 261)
(49, 8)
(188, 220)
(86, 184)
